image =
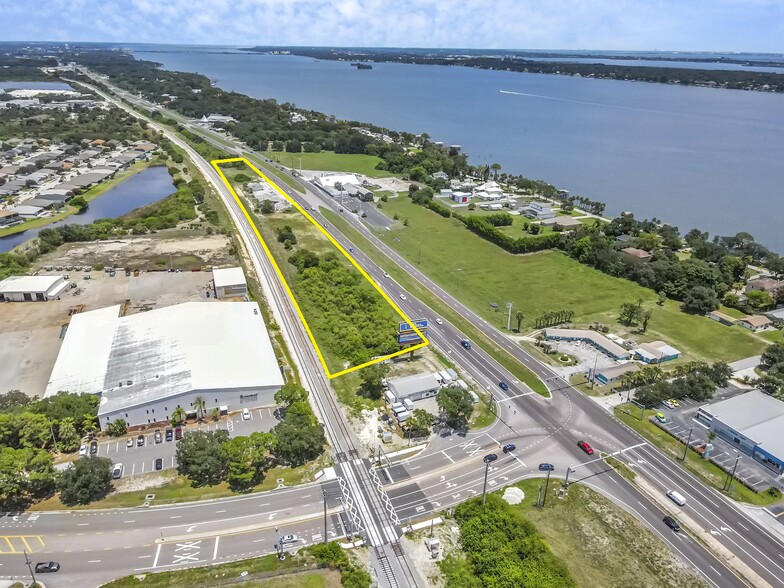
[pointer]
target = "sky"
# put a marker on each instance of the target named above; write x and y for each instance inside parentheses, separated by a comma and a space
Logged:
(645, 25)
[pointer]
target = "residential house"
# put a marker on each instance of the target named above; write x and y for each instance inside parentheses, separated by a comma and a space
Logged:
(9, 217)
(538, 210)
(460, 197)
(439, 175)
(28, 211)
(765, 284)
(722, 318)
(563, 223)
(755, 322)
(636, 255)
(777, 316)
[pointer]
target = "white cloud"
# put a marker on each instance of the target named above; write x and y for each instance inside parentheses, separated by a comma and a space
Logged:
(580, 24)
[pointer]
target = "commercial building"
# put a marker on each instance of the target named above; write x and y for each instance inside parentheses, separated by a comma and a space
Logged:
(656, 352)
(32, 288)
(229, 282)
(598, 340)
(145, 366)
(614, 373)
(751, 422)
(414, 387)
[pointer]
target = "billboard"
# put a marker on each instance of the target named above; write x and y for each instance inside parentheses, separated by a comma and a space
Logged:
(408, 338)
(420, 324)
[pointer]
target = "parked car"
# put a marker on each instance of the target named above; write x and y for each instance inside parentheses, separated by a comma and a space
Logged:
(672, 523)
(158, 464)
(245, 414)
(169, 434)
(585, 447)
(546, 467)
(177, 434)
(129, 442)
(93, 447)
(490, 457)
(660, 417)
(47, 567)
(83, 450)
(140, 440)
(504, 386)
(509, 447)
(671, 403)
(288, 539)
(158, 437)
(117, 472)
(403, 297)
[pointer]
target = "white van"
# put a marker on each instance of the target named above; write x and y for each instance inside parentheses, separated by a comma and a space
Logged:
(676, 497)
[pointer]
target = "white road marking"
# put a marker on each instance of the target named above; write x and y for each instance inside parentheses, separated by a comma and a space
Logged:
(715, 570)
(157, 553)
(82, 524)
(215, 550)
(93, 561)
(176, 517)
(219, 511)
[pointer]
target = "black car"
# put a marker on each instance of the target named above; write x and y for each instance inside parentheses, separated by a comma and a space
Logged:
(159, 464)
(672, 523)
(546, 467)
(490, 457)
(466, 343)
(169, 434)
(47, 567)
(504, 386)
(509, 447)
(93, 447)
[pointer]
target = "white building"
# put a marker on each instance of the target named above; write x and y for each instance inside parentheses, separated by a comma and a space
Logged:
(229, 282)
(146, 365)
(415, 387)
(329, 180)
(32, 288)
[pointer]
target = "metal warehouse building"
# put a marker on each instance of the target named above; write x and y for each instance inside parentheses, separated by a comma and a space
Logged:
(414, 387)
(146, 365)
(752, 422)
(229, 282)
(32, 288)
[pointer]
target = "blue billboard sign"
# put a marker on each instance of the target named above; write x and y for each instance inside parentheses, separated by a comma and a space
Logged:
(408, 338)
(420, 324)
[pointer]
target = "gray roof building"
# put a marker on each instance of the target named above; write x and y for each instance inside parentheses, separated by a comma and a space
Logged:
(414, 387)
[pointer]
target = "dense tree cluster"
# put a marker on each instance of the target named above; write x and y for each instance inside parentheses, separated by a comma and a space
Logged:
(502, 549)
(697, 381)
(86, 480)
(772, 362)
(353, 321)
(72, 127)
(456, 406)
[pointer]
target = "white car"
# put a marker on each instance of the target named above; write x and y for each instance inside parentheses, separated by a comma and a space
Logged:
(439, 321)
(129, 442)
(403, 297)
(117, 472)
(245, 414)
(386, 275)
(288, 539)
(83, 450)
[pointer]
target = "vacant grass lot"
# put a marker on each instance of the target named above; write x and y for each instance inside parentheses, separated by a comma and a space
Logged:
(601, 544)
(330, 161)
(481, 273)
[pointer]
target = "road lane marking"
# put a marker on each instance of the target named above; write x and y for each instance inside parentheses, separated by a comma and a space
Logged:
(157, 553)
(176, 517)
(93, 561)
(215, 550)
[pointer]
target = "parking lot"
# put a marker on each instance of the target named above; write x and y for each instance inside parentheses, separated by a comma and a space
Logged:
(141, 459)
(682, 419)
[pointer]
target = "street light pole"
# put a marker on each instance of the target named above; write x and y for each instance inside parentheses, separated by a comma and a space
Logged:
(509, 316)
(30, 567)
(484, 487)
(732, 475)
(686, 450)
(324, 492)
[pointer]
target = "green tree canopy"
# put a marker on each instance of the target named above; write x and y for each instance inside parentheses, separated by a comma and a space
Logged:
(26, 475)
(200, 457)
(456, 406)
(86, 480)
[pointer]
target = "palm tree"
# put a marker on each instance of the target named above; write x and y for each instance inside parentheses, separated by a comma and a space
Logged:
(519, 316)
(496, 167)
(88, 423)
(216, 414)
(200, 407)
(178, 416)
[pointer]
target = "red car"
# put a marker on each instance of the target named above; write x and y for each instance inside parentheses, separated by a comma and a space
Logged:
(585, 447)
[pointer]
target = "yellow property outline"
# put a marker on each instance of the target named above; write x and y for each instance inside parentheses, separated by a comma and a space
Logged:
(216, 164)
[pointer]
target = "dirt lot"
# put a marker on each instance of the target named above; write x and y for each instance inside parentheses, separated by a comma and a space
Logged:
(30, 331)
(176, 249)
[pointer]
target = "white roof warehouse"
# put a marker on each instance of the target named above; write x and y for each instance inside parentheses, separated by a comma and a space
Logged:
(32, 288)
(148, 364)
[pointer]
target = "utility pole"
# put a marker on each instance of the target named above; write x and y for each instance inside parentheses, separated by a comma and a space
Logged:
(324, 492)
(686, 450)
(566, 481)
(279, 545)
(484, 488)
(547, 485)
(593, 373)
(731, 477)
(509, 316)
(30, 567)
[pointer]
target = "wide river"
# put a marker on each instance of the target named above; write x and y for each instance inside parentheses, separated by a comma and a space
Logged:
(694, 157)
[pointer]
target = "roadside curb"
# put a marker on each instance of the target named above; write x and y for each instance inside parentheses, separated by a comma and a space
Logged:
(740, 568)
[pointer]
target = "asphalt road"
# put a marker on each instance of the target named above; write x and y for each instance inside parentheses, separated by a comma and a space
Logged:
(567, 415)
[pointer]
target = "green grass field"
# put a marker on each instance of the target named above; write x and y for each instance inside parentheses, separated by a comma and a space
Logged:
(480, 273)
(331, 161)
